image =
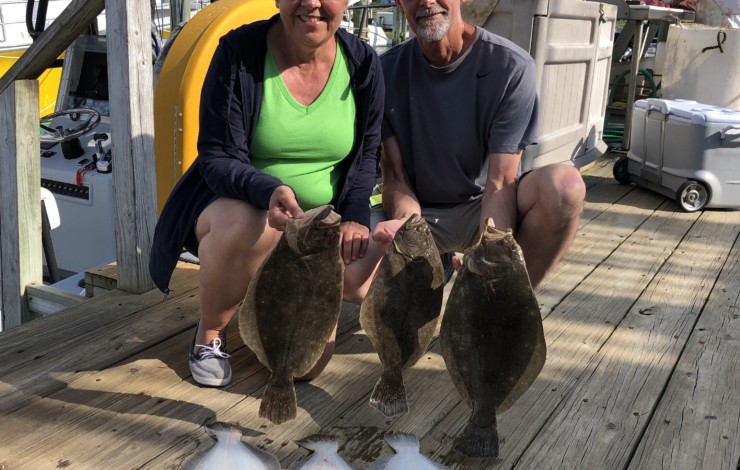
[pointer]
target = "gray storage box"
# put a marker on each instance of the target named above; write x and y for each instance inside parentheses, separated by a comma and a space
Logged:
(571, 42)
(684, 150)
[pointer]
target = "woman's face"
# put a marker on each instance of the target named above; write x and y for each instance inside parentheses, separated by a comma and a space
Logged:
(311, 22)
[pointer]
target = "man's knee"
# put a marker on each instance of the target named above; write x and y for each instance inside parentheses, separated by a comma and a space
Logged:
(564, 188)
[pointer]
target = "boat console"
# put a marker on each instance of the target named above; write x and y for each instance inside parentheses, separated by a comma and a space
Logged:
(77, 162)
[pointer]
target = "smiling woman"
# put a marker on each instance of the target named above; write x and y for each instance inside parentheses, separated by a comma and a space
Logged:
(308, 25)
(303, 44)
(290, 117)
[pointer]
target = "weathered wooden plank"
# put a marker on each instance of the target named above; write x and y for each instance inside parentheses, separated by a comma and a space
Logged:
(601, 197)
(697, 422)
(52, 42)
(132, 128)
(600, 423)
(45, 300)
(128, 401)
(74, 450)
(145, 410)
(97, 349)
(591, 245)
(599, 169)
(20, 200)
(577, 329)
(596, 240)
(116, 410)
(431, 397)
(90, 316)
(101, 279)
(94, 335)
(345, 410)
(336, 401)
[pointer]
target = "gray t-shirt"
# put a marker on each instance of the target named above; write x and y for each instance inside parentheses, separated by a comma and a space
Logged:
(448, 120)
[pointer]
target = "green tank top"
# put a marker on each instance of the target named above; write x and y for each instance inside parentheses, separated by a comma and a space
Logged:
(303, 145)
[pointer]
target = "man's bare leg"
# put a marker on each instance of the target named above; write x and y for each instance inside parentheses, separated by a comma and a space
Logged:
(550, 201)
(359, 274)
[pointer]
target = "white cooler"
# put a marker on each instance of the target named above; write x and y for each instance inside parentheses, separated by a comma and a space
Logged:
(684, 150)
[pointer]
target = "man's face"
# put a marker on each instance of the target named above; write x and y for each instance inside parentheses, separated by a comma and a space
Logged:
(430, 19)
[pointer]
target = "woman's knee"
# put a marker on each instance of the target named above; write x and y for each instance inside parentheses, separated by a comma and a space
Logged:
(323, 361)
(235, 226)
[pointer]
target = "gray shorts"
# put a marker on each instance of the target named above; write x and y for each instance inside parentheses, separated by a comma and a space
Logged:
(454, 228)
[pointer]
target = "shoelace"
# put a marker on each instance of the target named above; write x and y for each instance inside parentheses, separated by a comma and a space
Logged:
(207, 351)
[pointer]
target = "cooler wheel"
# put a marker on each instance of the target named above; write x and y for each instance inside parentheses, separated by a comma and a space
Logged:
(620, 170)
(692, 196)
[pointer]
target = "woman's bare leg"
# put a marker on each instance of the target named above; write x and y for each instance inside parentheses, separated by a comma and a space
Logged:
(234, 239)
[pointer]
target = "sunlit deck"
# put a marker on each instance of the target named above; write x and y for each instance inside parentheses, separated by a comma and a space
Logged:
(642, 321)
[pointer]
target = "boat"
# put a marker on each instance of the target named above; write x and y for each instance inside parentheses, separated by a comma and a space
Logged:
(15, 39)
(79, 207)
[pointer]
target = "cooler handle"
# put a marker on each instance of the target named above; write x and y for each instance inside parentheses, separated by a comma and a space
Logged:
(662, 111)
(723, 132)
(659, 105)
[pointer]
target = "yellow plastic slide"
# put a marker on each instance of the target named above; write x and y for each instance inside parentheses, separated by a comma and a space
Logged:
(177, 91)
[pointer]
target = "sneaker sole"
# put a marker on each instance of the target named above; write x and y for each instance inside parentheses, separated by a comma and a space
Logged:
(213, 382)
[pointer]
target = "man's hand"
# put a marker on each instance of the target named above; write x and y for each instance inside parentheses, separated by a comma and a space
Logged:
(354, 241)
(283, 206)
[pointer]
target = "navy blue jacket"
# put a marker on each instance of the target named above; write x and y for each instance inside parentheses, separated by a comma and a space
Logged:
(229, 111)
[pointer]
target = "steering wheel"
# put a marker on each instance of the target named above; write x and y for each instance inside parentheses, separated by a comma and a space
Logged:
(62, 134)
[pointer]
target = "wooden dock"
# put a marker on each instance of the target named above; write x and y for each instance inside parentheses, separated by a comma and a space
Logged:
(642, 322)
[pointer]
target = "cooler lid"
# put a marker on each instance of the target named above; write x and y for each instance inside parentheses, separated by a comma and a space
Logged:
(695, 112)
(641, 104)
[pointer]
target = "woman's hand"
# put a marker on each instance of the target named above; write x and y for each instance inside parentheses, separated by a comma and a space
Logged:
(354, 242)
(283, 206)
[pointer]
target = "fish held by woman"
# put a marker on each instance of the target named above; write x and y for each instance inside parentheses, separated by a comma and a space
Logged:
(292, 306)
(491, 336)
(401, 310)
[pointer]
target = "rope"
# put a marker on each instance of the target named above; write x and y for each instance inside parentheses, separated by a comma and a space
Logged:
(720, 34)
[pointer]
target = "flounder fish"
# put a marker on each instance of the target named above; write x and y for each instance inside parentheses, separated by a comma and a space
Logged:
(230, 452)
(491, 336)
(325, 456)
(407, 455)
(292, 306)
(401, 309)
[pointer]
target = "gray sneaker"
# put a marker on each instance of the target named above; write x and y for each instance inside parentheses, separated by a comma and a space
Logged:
(210, 364)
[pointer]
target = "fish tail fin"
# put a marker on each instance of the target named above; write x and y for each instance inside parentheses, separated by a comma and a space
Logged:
(222, 431)
(402, 441)
(318, 442)
(279, 401)
(478, 441)
(389, 395)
